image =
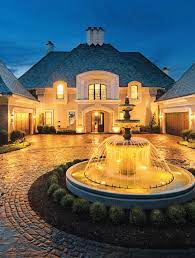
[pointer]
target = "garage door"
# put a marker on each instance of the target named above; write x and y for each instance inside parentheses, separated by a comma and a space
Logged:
(176, 122)
(22, 122)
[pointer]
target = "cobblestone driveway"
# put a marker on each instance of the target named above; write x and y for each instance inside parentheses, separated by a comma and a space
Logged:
(23, 233)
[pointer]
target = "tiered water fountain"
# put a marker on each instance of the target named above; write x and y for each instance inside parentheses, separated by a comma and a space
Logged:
(128, 171)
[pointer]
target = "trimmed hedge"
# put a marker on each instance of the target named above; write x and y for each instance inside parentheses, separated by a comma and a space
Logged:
(98, 211)
(52, 188)
(17, 135)
(80, 206)
(58, 194)
(157, 217)
(175, 214)
(137, 216)
(117, 214)
(67, 200)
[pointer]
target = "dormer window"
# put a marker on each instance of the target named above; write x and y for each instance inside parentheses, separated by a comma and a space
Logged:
(60, 92)
(134, 92)
(97, 91)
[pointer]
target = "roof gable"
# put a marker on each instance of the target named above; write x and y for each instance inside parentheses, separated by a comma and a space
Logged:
(183, 87)
(10, 85)
(129, 66)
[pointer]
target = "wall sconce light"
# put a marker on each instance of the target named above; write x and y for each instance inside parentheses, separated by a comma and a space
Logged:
(192, 116)
(161, 116)
(96, 113)
(34, 116)
(79, 129)
(116, 129)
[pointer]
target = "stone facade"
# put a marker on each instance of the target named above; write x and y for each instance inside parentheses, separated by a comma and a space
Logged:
(77, 100)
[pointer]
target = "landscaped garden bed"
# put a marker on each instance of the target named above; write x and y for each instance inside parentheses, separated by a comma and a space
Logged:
(167, 228)
(17, 141)
(188, 139)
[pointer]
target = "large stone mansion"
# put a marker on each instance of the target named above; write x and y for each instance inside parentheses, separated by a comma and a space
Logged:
(82, 89)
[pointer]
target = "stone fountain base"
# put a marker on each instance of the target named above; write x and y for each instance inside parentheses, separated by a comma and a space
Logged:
(160, 197)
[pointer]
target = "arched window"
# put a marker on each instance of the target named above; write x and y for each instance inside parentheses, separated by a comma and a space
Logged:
(97, 91)
(60, 91)
(134, 92)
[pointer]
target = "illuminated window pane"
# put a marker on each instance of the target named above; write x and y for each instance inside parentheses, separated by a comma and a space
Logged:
(91, 92)
(71, 117)
(134, 92)
(60, 91)
(103, 91)
(97, 91)
(48, 118)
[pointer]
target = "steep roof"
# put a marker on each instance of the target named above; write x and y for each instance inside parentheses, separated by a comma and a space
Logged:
(10, 85)
(67, 65)
(183, 87)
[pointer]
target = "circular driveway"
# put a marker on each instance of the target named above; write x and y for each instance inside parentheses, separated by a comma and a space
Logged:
(22, 232)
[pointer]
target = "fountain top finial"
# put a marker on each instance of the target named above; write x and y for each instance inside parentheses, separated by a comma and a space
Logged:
(126, 100)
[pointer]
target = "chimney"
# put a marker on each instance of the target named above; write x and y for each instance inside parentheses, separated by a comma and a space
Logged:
(166, 70)
(50, 47)
(95, 36)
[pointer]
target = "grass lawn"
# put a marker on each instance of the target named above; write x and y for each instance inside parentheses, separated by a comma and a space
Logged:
(13, 147)
(188, 144)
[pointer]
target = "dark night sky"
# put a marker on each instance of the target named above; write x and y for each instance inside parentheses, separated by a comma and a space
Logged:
(164, 31)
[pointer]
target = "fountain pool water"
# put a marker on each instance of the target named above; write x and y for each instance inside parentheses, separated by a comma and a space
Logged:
(129, 171)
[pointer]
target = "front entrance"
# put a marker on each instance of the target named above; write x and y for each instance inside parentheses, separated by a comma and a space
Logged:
(97, 122)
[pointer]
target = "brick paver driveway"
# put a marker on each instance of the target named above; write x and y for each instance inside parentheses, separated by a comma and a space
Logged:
(22, 232)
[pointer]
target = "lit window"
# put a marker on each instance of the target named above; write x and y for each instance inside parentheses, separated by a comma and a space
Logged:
(134, 92)
(60, 91)
(48, 118)
(97, 91)
(71, 117)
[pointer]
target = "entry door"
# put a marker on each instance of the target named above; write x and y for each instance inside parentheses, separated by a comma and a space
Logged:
(176, 122)
(97, 120)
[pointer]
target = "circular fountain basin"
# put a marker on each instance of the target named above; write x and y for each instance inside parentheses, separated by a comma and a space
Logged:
(180, 189)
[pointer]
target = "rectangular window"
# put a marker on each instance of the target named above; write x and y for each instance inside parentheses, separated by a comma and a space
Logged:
(91, 92)
(48, 118)
(71, 117)
(60, 91)
(97, 91)
(103, 91)
(134, 92)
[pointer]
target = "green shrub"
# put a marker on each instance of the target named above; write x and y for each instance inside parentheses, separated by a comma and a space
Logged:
(192, 135)
(3, 137)
(116, 214)
(137, 216)
(176, 214)
(66, 132)
(80, 206)
(17, 135)
(190, 210)
(67, 200)
(52, 179)
(46, 129)
(155, 129)
(39, 128)
(68, 164)
(58, 194)
(185, 134)
(157, 217)
(98, 211)
(52, 188)
(144, 128)
(52, 130)
(60, 171)
(76, 161)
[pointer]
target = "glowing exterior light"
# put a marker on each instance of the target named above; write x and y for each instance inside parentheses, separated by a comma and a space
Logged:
(96, 113)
